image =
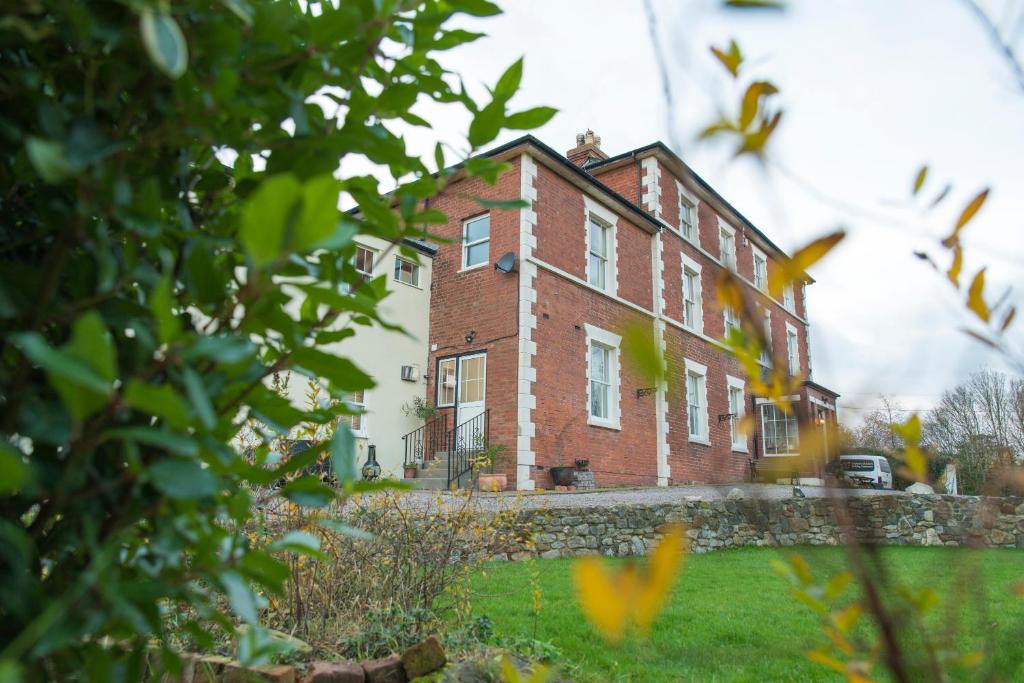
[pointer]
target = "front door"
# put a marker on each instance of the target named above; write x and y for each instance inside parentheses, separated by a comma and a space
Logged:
(470, 398)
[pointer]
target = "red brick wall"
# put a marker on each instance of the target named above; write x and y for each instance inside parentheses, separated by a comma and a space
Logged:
(561, 238)
(623, 180)
(626, 456)
(482, 300)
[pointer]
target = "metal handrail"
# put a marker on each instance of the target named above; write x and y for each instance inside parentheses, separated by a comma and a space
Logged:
(464, 442)
(422, 443)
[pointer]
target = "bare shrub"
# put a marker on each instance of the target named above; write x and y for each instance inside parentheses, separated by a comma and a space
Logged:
(388, 560)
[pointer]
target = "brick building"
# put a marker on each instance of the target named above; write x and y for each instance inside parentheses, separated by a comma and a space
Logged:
(532, 342)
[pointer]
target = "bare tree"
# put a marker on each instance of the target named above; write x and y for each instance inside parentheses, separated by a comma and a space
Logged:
(875, 432)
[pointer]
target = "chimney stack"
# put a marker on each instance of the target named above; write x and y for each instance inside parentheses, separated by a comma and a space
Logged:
(587, 149)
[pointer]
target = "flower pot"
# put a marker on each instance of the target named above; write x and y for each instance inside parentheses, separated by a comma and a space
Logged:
(563, 476)
(492, 482)
(410, 471)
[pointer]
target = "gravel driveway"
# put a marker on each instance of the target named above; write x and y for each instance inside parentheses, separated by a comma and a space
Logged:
(650, 496)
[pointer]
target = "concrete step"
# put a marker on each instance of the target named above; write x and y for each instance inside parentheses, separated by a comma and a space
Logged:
(428, 483)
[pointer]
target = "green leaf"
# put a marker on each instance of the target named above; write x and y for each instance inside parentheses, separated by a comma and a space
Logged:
(284, 216)
(341, 373)
(14, 472)
(241, 597)
(161, 301)
(268, 216)
(300, 543)
(164, 42)
(346, 529)
(476, 8)
(320, 215)
(198, 397)
(83, 370)
(502, 203)
(48, 158)
(509, 82)
(160, 438)
(343, 455)
(159, 400)
(530, 118)
(309, 491)
(486, 124)
(183, 479)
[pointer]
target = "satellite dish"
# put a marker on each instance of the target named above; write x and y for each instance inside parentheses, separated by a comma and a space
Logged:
(507, 263)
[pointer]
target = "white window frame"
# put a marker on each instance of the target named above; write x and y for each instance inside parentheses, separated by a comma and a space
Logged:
(766, 353)
(760, 278)
(736, 437)
(415, 272)
(793, 352)
(789, 298)
(360, 433)
(611, 342)
(466, 245)
(764, 432)
(730, 262)
(440, 378)
(592, 209)
(686, 198)
(703, 435)
(729, 318)
(604, 274)
(694, 267)
(373, 261)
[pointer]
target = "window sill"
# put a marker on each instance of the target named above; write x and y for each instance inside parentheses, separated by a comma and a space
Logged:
(605, 424)
(469, 268)
(700, 440)
(782, 455)
(408, 284)
(741, 449)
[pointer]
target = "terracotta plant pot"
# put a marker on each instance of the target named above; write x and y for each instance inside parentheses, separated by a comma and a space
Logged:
(492, 482)
(410, 472)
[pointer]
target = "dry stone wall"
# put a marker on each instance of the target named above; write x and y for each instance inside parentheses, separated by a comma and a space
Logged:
(712, 525)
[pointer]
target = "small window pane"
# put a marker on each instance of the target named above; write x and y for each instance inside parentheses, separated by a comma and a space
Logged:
(598, 239)
(407, 271)
(446, 383)
(597, 271)
(478, 253)
(364, 260)
(471, 380)
(478, 229)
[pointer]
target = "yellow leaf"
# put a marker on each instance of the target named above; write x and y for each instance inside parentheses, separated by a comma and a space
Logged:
(839, 640)
(845, 619)
(965, 217)
(916, 462)
(795, 267)
(1010, 315)
(837, 584)
(612, 599)
(801, 569)
(751, 101)
(730, 59)
(958, 262)
(825, 659)
(975, 300)
(664, 567)
(919, 179)
(603, 604)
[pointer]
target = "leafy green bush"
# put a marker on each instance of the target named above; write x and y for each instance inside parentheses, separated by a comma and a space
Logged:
(166, 171)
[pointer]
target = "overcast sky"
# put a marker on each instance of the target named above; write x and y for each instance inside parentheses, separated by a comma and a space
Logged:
(871, 90)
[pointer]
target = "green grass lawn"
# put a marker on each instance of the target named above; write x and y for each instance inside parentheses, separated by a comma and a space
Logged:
(731, 617)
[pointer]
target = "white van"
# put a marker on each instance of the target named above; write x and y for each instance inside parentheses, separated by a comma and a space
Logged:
(870, 470)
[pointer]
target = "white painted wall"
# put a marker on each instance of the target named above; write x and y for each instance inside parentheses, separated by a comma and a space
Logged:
(382, 353)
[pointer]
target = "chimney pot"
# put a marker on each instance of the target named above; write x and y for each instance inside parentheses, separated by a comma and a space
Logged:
(587, 149)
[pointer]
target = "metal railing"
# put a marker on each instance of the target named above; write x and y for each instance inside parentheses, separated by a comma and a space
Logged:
(465, 442)
(421, 444)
